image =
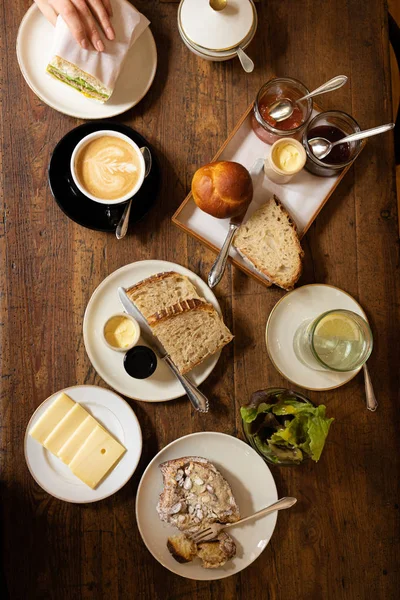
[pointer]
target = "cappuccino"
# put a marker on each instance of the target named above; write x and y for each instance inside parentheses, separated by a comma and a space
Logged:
(108, 167)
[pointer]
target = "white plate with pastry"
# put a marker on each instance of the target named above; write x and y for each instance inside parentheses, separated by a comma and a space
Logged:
(242, 483)
(34, 42)
(83, 444)
(306, 302)
(104, 303)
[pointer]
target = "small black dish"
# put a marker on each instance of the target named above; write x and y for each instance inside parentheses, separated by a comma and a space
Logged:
(81, 209)
(140, 362)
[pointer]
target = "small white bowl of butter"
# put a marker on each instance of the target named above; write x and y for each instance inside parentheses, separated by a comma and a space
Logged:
(121, 332)
(286, 158)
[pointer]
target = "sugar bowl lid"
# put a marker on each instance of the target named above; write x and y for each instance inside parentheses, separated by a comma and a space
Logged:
(216, 30)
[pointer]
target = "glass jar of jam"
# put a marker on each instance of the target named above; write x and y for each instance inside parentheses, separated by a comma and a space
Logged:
(264, 126)
(331, 125)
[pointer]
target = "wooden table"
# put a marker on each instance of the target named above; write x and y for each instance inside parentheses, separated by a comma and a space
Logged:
(341, 540)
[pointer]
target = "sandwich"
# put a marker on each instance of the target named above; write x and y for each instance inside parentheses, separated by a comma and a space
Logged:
(72, 75)
(94, 74)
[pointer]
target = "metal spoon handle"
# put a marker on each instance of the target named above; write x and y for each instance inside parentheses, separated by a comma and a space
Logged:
(329, 86)
(371, 401)
(280, 505)
(218, 268)
(245, 60)
(122, 226)
(198, 400)
(360, 135)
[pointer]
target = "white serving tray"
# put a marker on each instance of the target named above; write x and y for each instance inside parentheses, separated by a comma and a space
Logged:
(303, 197)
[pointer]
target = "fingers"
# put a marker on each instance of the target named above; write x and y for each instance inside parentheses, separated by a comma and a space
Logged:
(107, 4)
(90, 24)
(100, 12)
(47, 10)
(83, 18)
(72, 19)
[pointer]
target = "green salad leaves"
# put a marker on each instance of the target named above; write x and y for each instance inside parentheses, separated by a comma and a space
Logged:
(284, 427)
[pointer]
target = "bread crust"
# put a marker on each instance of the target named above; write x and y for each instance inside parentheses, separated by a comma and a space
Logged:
(270, 277)
(179, 308)
(222, 189)
(164, 275)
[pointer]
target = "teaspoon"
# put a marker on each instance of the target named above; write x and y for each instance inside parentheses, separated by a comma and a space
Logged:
(321, 147)
(371, 401)
(122, 226)
(245, 60)
(282, 109)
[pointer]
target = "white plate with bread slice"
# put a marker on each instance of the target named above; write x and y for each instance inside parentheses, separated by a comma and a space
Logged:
(83, 444)
(215, 470)
(191, 336)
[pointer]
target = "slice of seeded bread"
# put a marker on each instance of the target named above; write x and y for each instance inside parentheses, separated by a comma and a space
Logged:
(190, 331)
(270, 242)
(160, 291)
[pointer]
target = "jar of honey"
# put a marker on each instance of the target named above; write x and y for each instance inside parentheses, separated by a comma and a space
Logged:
(264, 126)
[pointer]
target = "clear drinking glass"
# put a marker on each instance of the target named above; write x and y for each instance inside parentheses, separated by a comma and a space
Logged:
(337, 340)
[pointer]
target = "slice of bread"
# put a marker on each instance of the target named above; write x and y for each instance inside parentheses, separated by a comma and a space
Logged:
(270, 242)
(190, 331)
(160, 291)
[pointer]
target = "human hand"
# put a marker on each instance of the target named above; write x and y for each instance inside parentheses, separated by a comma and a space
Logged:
(83, 17)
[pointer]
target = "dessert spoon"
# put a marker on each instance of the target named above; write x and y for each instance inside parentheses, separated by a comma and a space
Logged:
(211, 531)
(122, 226)
(321, 147)
(282, 109)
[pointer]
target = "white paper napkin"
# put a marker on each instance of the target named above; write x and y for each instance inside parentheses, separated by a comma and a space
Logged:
(128, 24)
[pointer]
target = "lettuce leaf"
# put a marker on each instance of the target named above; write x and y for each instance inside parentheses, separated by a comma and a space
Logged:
(250, 413)
(304, 431)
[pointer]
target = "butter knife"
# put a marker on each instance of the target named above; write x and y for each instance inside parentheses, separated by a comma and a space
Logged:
(198, 400)
(218, 269)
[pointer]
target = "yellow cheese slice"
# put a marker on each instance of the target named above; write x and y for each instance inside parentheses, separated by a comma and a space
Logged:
(96, 457)
(77, 439)
(65, 428)
(51, 417)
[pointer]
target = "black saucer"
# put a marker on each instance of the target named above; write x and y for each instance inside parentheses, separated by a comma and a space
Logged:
(87, 212)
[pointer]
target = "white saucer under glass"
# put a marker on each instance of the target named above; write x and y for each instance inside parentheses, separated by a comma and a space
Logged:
(296, 307)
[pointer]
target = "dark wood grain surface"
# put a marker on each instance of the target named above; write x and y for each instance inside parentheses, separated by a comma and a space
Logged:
(341, 541)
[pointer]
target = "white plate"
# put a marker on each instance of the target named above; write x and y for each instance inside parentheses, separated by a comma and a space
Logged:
(34, 41)
(304, 303)
(117, 417)
(253, 487)
(104, 303)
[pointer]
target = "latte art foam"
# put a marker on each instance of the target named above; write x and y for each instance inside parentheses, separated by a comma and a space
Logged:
(108, 167)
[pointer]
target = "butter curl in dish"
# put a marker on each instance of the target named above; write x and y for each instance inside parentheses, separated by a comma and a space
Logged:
(94, 74)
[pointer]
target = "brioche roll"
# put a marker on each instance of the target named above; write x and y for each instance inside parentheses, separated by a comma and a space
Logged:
(222, 189)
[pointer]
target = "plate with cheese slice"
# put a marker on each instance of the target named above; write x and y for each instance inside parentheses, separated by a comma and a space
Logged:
(83, 444)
